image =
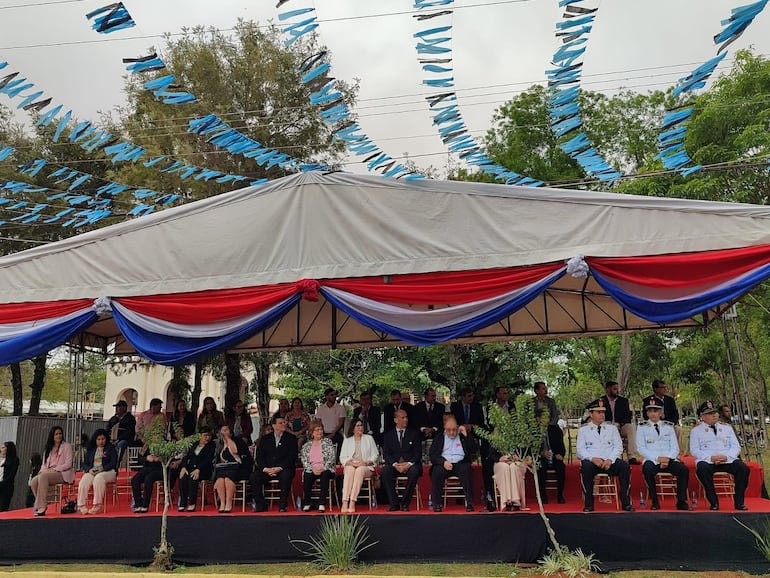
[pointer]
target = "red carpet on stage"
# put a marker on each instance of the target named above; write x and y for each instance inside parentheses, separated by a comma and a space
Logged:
(573, 495)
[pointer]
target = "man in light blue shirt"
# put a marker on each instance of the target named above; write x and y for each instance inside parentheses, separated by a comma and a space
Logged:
(451, 455)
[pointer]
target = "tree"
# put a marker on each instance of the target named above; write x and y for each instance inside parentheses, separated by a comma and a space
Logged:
(166, 450)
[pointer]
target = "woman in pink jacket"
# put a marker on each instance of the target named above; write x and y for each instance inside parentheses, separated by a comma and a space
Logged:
(57, 468)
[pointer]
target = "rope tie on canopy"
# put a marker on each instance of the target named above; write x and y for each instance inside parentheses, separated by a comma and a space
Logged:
(577, 267)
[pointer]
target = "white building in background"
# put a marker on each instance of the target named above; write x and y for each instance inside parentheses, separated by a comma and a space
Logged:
(137, 381)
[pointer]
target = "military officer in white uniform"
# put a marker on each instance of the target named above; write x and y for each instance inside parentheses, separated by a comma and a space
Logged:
(716, 449)
(656, 442)
(599, 448)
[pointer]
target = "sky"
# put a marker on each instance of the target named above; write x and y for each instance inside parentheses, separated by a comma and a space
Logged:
(500, 47)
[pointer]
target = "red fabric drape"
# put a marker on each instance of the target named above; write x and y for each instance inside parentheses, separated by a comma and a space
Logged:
(20, 312)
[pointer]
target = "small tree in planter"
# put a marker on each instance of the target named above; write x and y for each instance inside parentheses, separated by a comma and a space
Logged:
(521, 433)
(167, 450)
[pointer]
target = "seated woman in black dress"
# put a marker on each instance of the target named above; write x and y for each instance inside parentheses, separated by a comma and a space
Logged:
(197, 466)
(234, 464)
(144, 480)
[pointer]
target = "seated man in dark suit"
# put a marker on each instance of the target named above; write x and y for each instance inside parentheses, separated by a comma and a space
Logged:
(552, 458)
(275, 460)
(401, 451)
(429, 415)
(451, 455)
(371, 416)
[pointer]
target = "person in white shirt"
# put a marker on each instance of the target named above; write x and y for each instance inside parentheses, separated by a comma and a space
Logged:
(599, 448)
(716, 449)
(658, 446)
(332, 416)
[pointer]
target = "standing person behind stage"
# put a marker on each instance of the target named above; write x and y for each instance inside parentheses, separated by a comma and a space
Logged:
(542, 401)
(57, 468)
(9, 465)
(146, 418)
(122, 426)
(716, 449)
(599, 448)
(450, 455)
(298, 422)
(467, 411)
(370, 416)
(726, 414)
(99, 465)
(239, 421)
(619, 413)
(396, 403)
(182, 422)
(656, 440)
(428, 415)
(210, 417)
(283, 409)
(402, 453)
(332, 416)
(670, 412)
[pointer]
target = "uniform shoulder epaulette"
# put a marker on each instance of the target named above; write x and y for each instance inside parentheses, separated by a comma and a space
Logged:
(664, 422)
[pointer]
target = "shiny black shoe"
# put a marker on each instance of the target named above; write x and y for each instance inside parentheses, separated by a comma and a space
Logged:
(468, 508)
(655, 505)
(587, 509)
(283, 509)
(491, 506)
(683, 506)
(394, 508)
(628, 508)
(561, 500)
(742, 507)
(714, 507)
(404, 508)
(437, 508)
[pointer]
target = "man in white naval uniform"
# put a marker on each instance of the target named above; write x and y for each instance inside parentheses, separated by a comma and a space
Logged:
(716, 449)
(599, 448)
(656, 442)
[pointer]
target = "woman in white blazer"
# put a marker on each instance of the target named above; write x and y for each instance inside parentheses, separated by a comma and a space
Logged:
(358, 457)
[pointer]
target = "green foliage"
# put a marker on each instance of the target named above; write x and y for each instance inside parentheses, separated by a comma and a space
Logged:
(339, 543)
(159, 444)
(761, 537)
(518, 433)
(572, 563)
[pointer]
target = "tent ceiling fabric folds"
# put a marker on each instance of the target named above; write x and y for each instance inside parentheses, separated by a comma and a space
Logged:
(340, 260)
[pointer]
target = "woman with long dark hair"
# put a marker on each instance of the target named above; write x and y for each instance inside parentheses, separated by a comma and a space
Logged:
(182, 423)
(234, 464)
(9, 465)
(210, 416)
(99, 467)
(57, 468)
(197, 466)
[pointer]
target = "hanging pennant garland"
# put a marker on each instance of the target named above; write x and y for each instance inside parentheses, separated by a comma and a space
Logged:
(434, 53)
(111, 18)
(673, 129)
(564, 82)
(334, 110)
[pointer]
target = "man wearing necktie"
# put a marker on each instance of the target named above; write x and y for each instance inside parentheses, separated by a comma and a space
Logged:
(599, 448)
(716, 449)
(370, 415)
(467, 411)
(657, 443)
(402, 453)
(275, 460)
(397, 402)
(429, 415)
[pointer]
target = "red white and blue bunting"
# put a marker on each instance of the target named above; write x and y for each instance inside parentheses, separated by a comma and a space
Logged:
(420, 309)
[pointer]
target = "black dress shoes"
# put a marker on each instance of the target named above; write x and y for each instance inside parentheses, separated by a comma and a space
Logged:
(393, 508)
(282, 509)
(742, 507)
(437, 508)
(628, 508)
(404, 508)
(491, 506)
(468, 508)
(683, 506)
(587, 509)
(561, 500)
(655, 505)
(714, 507)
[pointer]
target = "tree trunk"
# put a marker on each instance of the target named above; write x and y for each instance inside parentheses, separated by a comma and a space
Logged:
(624, 363)
(38, 383)
(546, 520)
(197, 388)
(232, 379)
(179, 385)
(262, 386)
(18, 389)
(162, 558)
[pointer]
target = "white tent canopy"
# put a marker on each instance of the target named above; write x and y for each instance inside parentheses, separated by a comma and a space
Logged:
(332, 226)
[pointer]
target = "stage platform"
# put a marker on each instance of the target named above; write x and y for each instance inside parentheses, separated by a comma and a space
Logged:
(664, 539)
